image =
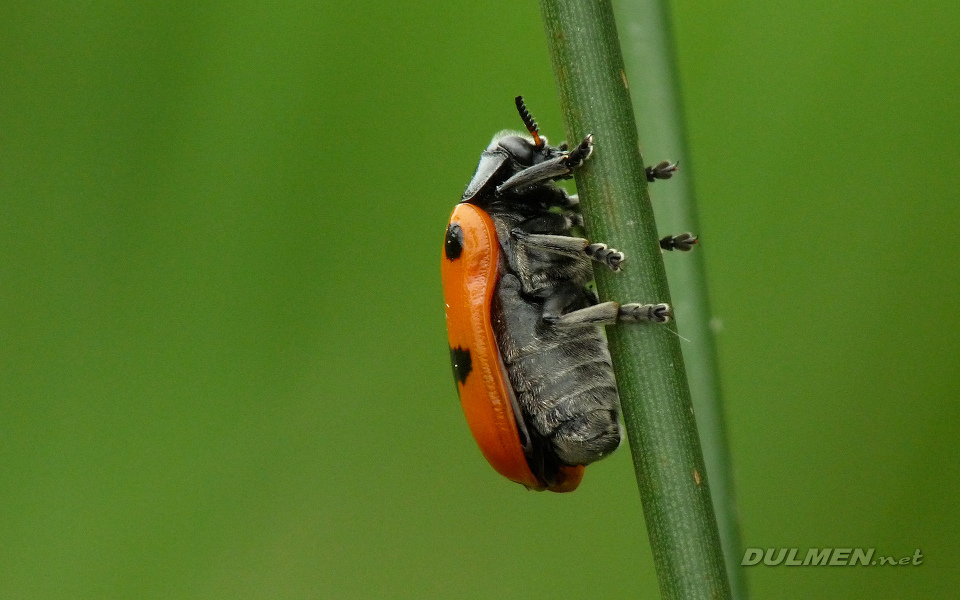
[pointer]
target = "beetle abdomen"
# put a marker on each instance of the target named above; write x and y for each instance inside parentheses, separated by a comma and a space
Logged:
(562, 378)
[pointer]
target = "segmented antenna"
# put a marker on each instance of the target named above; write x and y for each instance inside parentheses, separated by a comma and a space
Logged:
(529, 122)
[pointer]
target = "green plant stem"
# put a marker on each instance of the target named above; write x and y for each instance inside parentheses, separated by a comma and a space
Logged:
(647, 359)
(648, 47)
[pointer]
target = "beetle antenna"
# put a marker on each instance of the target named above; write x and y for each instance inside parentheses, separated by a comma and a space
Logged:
(529, 122)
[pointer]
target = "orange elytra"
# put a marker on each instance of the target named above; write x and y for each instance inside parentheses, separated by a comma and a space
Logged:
(470, 269)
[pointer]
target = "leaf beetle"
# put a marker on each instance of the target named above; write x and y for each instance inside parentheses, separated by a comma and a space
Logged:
(529, 356)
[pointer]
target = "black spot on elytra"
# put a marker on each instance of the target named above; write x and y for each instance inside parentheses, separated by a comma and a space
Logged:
(453, 244)
(462, 365)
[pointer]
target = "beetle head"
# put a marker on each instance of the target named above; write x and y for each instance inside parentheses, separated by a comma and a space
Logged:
(509, 153)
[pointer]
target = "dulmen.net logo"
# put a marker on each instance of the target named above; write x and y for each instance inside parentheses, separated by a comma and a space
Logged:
(825, 557)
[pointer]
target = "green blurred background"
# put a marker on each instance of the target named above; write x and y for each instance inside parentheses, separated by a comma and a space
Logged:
(223, 366)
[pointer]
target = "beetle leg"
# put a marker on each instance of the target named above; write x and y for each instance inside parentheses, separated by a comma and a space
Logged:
(605, 313)
(682, 242)
(662, 170)
(575, 218)
(558, 301)
(569, 206)
(550, 223)
(570, 246)
(555, 168)
(608, 313)
(558, 244)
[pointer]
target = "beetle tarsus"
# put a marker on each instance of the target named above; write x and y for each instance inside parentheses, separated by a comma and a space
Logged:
(608, 256)
(580, 153)
(653, 313)
(662, 170)
(682, 242)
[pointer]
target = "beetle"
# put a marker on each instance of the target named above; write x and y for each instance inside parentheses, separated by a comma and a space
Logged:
(529, 357)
